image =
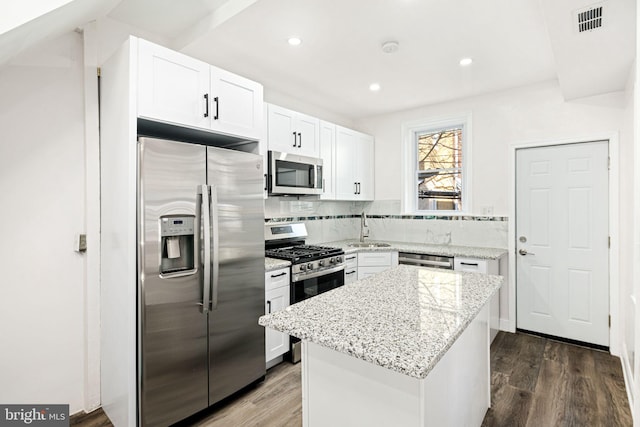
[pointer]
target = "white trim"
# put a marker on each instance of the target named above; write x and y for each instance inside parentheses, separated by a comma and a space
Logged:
(409, 160)
(92, 395)
(614, 208)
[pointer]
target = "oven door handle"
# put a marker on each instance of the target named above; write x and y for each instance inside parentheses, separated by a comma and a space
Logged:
(304, 276)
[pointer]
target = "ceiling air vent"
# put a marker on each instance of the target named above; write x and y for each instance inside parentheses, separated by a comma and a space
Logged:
(589, 19)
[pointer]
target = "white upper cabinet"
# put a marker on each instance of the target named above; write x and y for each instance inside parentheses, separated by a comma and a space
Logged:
(172, 86)
(292, 132)
(176, 88)
(236, 104)
(354, 173)
(328, 156)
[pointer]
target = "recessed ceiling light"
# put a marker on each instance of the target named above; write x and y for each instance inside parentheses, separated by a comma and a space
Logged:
(294, 41)
(466, 61)
(374, 87)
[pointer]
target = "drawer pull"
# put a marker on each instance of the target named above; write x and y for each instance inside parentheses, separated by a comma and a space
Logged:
(268, 307)
(474, 264)
(279, 275)
(353, 257)
(351, 272)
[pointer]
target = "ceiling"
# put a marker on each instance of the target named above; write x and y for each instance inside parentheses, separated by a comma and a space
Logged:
(512, 43)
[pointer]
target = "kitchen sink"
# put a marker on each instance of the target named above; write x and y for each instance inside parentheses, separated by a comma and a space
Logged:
(369, 245)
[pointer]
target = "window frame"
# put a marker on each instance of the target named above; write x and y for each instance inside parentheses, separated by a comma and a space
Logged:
(410, 131)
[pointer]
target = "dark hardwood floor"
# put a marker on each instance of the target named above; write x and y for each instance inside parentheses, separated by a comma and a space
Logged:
(535, 382)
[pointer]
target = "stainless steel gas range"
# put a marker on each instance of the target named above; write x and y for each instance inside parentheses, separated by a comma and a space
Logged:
(314, 269)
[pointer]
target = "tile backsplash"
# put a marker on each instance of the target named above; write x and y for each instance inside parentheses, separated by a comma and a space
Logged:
(338, 220)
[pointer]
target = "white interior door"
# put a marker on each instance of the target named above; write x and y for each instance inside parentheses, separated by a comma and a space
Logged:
(562, 241)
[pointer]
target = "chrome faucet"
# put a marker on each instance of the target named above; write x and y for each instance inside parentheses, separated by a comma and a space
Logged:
(364, 229)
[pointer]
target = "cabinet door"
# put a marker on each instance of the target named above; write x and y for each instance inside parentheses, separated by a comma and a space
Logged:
(172, 86)
(350, 275)
(277, 343)
(308, 129)
(346, 164)
(236, 104)
(374, 259)
(328, 154)
(280, 129)
(366, 167)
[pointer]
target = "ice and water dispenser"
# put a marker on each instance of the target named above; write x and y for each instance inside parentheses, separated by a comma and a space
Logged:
(177, 239)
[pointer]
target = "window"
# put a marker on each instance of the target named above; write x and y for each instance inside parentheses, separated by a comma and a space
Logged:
(436, 168)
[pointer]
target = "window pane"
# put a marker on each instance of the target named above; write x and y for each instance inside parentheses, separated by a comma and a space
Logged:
(440, 150)
(439, 169)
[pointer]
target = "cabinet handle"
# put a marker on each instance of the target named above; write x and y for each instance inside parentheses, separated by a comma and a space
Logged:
(206, 105)
(266, 186)
(324, 188)
(278, 275)
(299, 140)
(356, 190)
(351, 272)
(295, 140)
(474, 264)
(353, 257)
(217, 108)
(268, 307)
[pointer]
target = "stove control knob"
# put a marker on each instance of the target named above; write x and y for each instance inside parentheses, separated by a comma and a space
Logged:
(338, 259)
(310, 266)
(332, 260)
(321, 263)
(303, 267)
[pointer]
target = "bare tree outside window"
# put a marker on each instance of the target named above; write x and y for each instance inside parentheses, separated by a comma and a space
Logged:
(439, 169)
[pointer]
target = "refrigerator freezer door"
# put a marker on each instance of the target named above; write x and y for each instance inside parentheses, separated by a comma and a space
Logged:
(172, 348)
(236, 341)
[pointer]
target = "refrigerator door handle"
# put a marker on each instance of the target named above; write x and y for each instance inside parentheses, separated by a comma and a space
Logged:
(216, 245)
(206, 243)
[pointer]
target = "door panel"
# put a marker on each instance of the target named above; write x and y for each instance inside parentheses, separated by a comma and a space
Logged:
(173, 332)
(236, 341)
(562, 241)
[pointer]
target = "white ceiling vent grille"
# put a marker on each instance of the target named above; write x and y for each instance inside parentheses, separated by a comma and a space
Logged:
(589, 19)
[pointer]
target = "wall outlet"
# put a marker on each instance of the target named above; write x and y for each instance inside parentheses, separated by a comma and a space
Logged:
(487, 210)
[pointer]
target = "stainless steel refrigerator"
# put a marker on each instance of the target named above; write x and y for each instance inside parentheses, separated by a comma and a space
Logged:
(200, 277)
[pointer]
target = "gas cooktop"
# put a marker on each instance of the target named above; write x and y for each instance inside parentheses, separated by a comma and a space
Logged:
(303, 253)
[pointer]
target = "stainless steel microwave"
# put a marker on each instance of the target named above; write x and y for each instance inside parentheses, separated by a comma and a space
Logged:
(292, 174)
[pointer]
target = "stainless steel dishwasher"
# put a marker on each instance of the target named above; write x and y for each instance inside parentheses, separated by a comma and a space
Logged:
(426, 260)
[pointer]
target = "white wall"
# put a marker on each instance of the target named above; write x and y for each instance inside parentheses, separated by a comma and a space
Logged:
(525, 114)
(42, 199)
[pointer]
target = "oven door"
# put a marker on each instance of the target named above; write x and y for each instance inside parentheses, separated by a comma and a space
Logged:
(308, 288)
(294, 174)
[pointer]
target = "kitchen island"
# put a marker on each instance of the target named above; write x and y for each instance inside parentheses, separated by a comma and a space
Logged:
(408, 346)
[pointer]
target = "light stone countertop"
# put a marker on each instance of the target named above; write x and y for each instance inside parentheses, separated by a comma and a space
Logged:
(422, 248)
(403, 319)
(271, 264)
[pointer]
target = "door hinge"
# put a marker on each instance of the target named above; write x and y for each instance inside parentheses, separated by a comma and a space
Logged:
(609, 242)
(609, 321)
(608, 163)
(99, 71)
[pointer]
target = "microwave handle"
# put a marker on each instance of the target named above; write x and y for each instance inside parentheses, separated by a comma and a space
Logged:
(312, 177)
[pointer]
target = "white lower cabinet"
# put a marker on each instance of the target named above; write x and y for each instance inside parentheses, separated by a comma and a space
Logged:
(484, 266)
(276, 298)
(350, 268)
(370, 263)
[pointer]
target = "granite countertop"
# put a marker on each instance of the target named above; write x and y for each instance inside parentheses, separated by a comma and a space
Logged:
(423, 248)
(271, 264)
(403, 319)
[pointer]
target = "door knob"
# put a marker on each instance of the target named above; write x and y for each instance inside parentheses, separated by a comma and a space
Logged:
(524, 252)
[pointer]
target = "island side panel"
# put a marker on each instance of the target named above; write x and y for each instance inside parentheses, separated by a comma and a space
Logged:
(457, 392)
(341, 390)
